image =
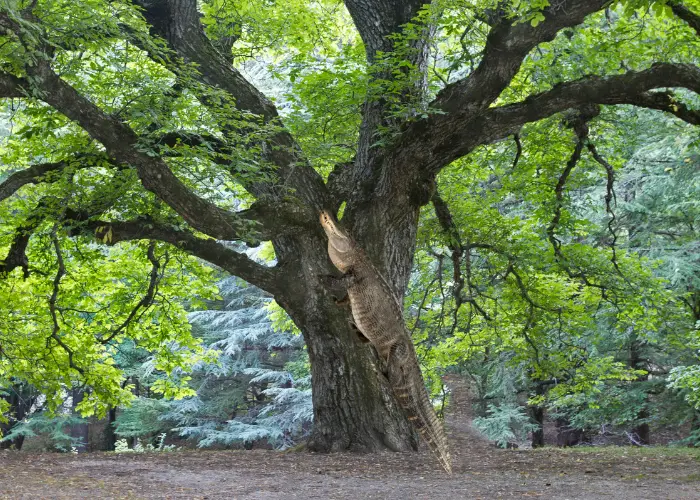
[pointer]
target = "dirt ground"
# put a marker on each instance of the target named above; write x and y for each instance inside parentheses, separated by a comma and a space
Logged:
(481, 471)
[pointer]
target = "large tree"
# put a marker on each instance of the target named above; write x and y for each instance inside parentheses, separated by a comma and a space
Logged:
(138, 126)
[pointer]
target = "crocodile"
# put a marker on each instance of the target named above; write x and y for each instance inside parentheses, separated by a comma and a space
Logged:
(377, 315)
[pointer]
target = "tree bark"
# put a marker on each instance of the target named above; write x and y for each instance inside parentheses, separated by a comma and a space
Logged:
(354, 408)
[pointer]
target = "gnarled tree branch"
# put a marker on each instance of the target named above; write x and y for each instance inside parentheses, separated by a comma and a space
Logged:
(14, 87)
(266, 278)
(559, 198)
(147, 299)
(55, 332)
(17, 254)
(629, 88)
(178, 23)
(507, 45)
(441, 139)
(122, 144)
(686, 14)
(39, 173)
(610, 199)
(442, 211)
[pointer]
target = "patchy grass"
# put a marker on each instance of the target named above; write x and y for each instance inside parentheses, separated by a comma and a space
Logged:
(659, 452)
(480, 471)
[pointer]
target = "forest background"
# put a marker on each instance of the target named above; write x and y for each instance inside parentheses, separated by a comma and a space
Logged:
(521, 172)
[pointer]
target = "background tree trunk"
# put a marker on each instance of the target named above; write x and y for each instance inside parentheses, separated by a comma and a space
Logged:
(109, 437)
(21, 398)
(636, 361)
(79, 430)
(567, 435)
(537, 413)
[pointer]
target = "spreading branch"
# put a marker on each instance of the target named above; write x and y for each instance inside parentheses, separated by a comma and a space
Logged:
(178, 23)
(610, 199)
(83, 222)
(122, 145)
(442, 211)
(43, 171)
(684, 13)
(55, 333)
(580, 126)
(559, 197)
(17, 254)
(454, 242)
(507, 44)
(441, 139)
(629, 88)
(238, 264)
(147, 299)
(14, 87)
(518, 151)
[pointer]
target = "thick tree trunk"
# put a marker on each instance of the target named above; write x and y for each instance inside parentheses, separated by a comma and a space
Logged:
(385, 225)
(354, 408)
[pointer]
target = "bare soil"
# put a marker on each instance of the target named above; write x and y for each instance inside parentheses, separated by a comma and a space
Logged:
(480, 471)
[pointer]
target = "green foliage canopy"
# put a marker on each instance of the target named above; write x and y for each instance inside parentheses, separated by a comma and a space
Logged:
(525, 271)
